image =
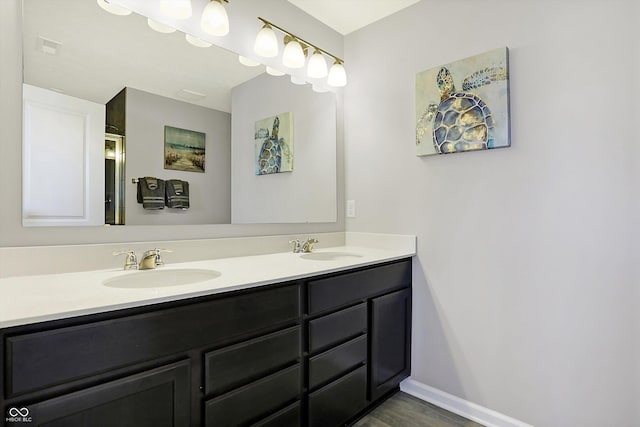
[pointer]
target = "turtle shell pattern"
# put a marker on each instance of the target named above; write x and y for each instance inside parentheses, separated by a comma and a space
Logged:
(270, 156)
(462, 122)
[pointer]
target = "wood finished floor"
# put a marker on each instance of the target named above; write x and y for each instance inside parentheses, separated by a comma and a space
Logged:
(403, 410)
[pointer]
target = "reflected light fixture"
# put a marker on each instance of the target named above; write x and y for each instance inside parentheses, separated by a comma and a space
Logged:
(178, 9)
(196, 41)
(161, 28)
(273, 72)
(215, 20)
(113, 8)
(247, 61)
(266, 43)
(295, 52)
(298, 80)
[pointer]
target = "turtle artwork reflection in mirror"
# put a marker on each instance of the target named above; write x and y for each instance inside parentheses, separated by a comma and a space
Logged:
(473, 115)
(274, 144)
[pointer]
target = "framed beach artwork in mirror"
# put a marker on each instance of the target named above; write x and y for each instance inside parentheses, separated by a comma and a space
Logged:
(464, 105)
(274, 144)
(184, 149)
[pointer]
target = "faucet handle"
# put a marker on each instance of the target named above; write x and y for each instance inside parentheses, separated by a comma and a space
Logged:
(307, 246)
(159, 262)
(131, 262)
(296, 245)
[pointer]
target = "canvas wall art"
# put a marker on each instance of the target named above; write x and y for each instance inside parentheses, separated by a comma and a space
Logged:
(184, 149)
(464, 106)
(274, 144)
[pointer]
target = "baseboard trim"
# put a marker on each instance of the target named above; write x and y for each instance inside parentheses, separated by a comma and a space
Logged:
(485, 416)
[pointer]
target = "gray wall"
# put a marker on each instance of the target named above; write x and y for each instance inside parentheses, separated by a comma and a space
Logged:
(210, 192)
(308, 193)
(525, 286)
(241, 38)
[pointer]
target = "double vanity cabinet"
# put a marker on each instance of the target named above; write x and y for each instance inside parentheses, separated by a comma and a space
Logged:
(314, 352)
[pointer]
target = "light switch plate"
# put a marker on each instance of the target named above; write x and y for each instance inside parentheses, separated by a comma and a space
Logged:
(351, 208)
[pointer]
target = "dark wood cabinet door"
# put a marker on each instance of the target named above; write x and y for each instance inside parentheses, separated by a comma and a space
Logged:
(390, 335)
(154, 398)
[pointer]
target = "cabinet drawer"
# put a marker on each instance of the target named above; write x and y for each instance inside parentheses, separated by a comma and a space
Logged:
(242, 363)
(255, 400)
(42, 359)
(335, 403)
(334, 362)
(287, 417)
(348, 288)
(337, 327)
(154, 398)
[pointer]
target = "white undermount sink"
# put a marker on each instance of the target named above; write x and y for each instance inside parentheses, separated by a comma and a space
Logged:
(161, 278)
(330, 256)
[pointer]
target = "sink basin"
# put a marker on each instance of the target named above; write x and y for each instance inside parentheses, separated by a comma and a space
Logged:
(161, 278)
(330, 256)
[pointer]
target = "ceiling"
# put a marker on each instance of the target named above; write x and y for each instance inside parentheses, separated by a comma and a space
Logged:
(346, 16)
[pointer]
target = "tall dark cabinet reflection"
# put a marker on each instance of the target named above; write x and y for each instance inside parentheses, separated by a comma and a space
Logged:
(114, 161)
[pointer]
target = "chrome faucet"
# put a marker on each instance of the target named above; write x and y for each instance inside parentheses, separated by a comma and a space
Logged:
(307, 246)
(131, 262)
(304, 247)
(152, 259)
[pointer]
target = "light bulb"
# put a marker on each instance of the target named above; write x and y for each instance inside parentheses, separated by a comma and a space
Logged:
(215, 20)
(274, 72)
(161, 28)
(196, 41)
(317, 67)
(113, 8)
(293, 55)
(337, 75)
(247, 61)
(266, 43)
(179, 9)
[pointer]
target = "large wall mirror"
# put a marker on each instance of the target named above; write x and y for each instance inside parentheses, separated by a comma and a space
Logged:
(153, 85)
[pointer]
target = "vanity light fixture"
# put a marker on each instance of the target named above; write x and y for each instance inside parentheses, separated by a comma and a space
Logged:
(161, 28)
(247, 61)
(178, 9)
(295, 52)
(215, 20)
(266, 43)
(196, 41)
(113, 8)
(274, 72)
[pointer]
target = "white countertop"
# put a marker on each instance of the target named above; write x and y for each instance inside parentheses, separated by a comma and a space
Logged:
(37, 298)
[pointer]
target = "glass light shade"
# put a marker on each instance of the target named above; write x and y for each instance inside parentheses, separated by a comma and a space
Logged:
(161, 28)
(293, 55)
(274, 72)
(179, 9)
(113, 8)
(196, 41)
(318, 88)
(298, 80)
(317, 66)
(337, 75)
(215, 20)
(247, 61)
(266, 43)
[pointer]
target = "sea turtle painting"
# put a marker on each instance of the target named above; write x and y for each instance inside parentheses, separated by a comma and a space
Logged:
(452, 119)
(273, 150)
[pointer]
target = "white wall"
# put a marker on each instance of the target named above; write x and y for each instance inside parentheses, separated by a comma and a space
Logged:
(209, 192)
(524, 295)
(306, 194)
(245, 25)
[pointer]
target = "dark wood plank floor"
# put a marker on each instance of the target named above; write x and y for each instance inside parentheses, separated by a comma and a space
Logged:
(403, 410)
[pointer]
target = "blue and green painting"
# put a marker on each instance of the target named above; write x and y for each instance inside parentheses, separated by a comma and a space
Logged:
(183, 149)
(274, 144)
(464, 105)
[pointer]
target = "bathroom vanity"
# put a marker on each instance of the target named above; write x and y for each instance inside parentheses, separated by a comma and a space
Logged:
(317, 350)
